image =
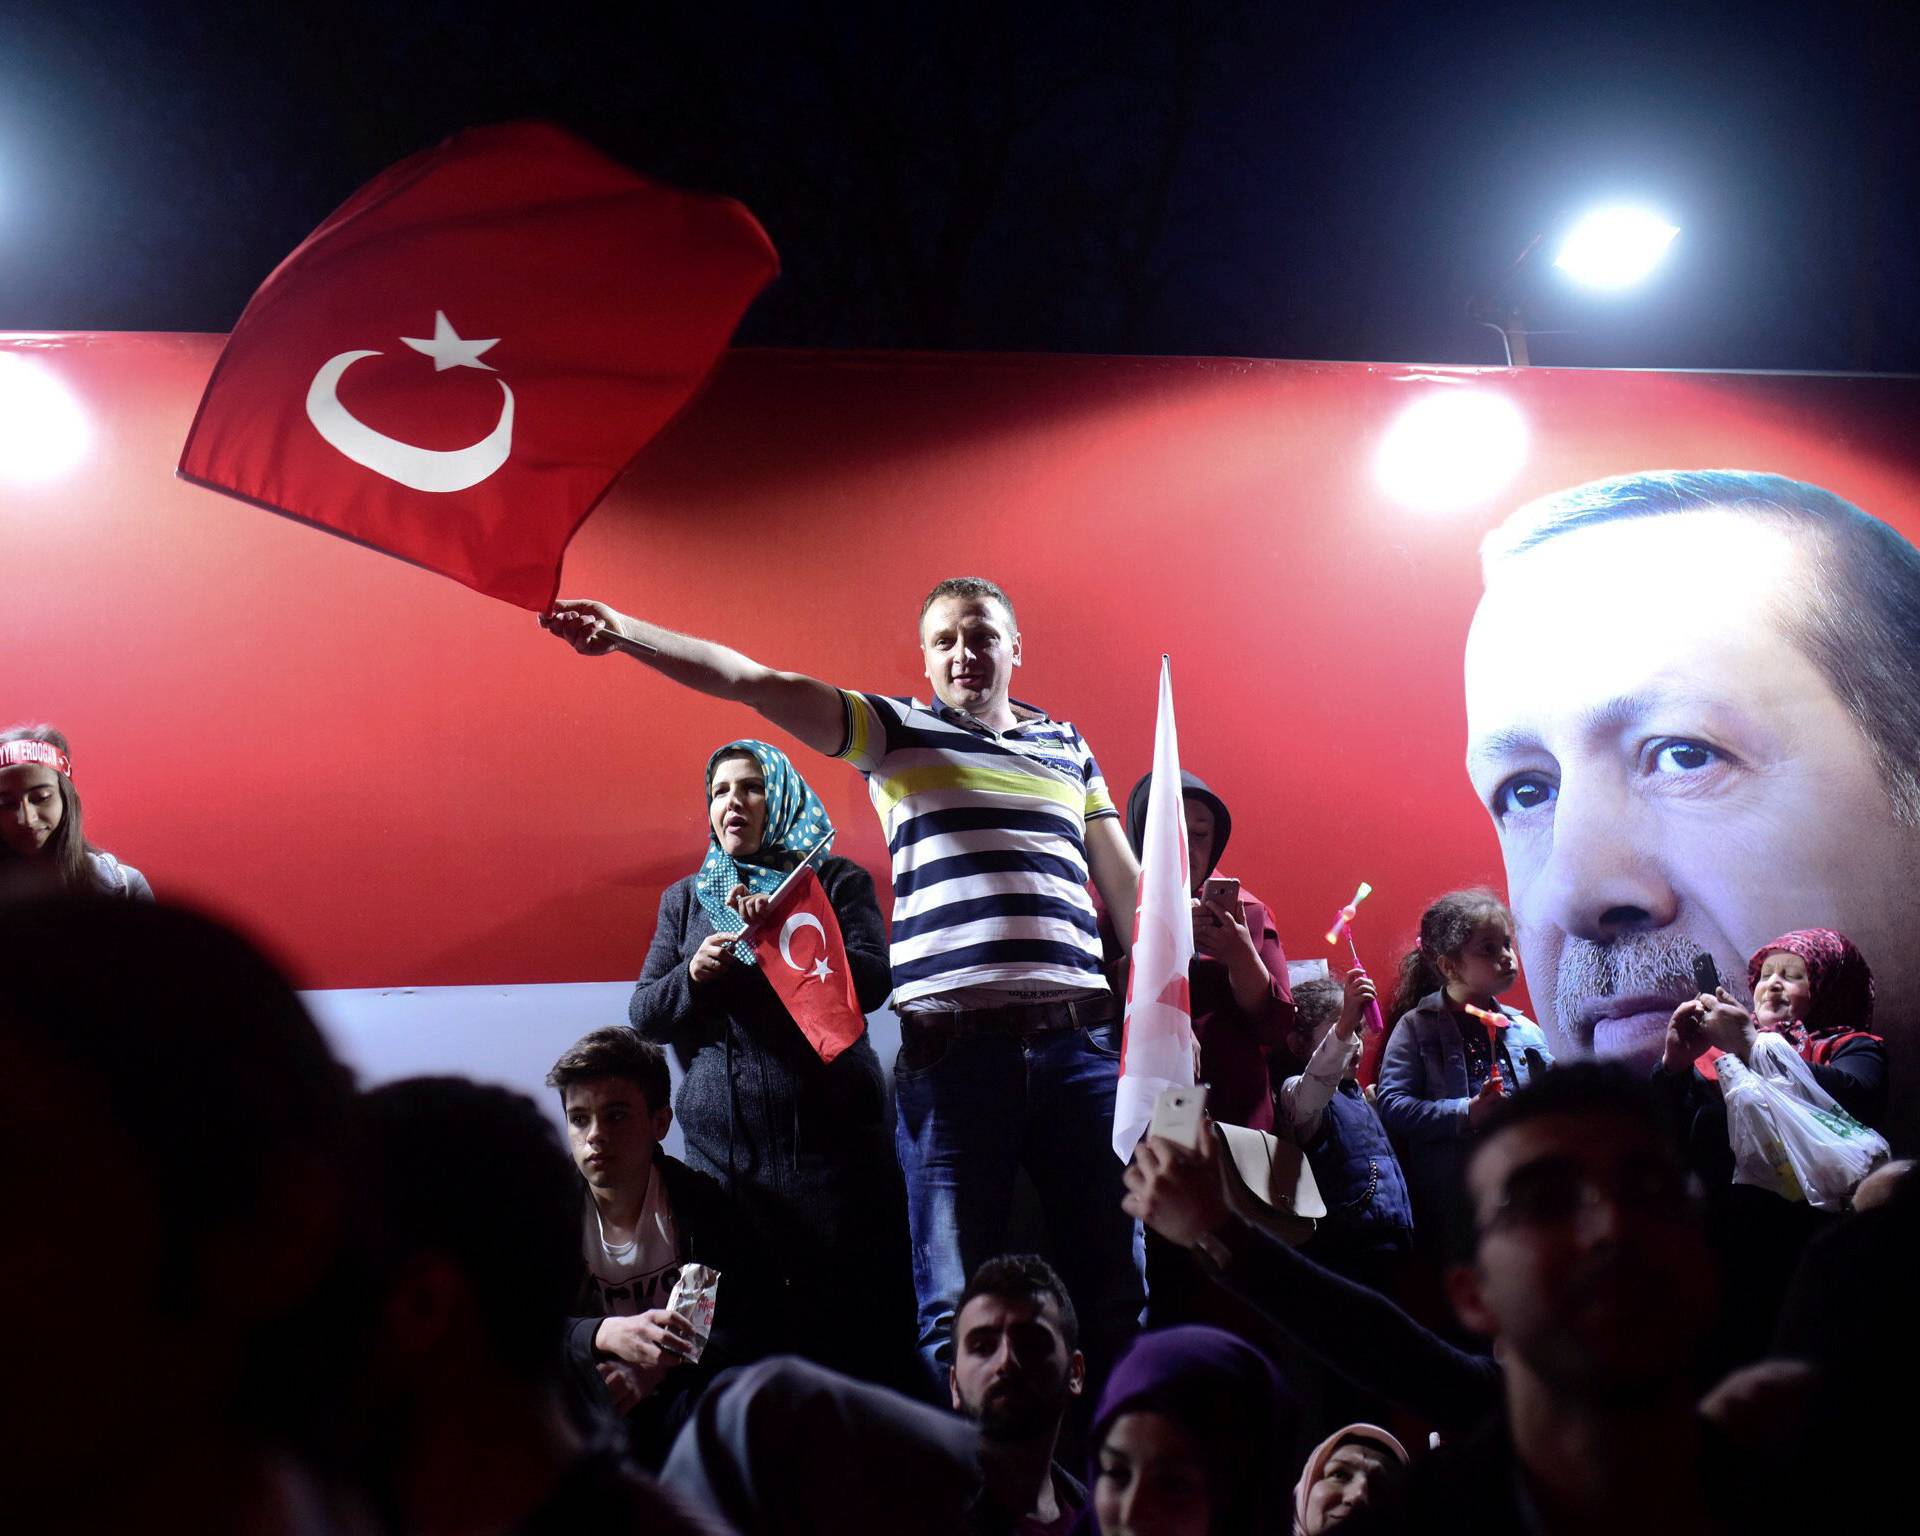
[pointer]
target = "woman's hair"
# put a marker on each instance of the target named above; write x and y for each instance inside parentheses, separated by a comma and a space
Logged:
(727, 755)
(66, 851)
(1445, 929)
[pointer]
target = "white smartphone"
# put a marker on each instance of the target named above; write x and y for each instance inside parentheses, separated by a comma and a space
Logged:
(1176, 1115)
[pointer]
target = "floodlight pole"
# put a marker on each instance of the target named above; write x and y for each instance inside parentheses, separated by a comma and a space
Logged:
(1500, 309)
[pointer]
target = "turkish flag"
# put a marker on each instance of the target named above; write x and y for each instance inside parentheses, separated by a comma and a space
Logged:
(800, 949)
(459, 362)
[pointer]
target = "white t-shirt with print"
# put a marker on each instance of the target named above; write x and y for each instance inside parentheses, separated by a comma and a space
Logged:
(637, 1276)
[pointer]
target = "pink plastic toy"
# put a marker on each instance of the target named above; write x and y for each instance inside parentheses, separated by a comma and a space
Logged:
(1343, 924)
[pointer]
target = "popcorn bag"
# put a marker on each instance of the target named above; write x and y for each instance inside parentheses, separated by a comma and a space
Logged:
(694, 1294)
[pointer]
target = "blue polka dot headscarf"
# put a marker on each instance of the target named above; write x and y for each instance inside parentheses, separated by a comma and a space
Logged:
(796, 821)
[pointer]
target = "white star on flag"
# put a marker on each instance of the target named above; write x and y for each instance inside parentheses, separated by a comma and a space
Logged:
(821, 970)
(448, 349)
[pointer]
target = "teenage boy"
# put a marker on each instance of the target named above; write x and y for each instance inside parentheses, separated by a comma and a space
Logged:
(643, 1215)
(461, 1422)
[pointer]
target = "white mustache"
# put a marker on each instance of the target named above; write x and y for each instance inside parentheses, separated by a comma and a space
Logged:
(1657, 964)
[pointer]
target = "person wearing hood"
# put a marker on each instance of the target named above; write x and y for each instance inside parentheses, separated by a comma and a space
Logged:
(1242, 1007)
(1188, 1428)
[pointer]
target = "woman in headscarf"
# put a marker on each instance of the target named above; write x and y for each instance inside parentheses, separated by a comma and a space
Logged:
(1359, 1467)
(804, 1146)
(1814, 989)
(1185, 1437)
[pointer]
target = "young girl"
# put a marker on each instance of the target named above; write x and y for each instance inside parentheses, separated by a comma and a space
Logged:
(1437, 1078)
(40, 826)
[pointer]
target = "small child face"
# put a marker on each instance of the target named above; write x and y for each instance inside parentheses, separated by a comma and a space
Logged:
(1487, 964)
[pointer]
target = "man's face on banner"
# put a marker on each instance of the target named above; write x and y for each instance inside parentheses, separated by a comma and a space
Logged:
(1668, 773)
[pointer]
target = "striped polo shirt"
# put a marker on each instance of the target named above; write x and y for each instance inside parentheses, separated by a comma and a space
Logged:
(988, 836)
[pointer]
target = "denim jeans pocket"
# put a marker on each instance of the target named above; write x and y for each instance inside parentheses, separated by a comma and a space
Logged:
(922, 1048)
(1104, 1038)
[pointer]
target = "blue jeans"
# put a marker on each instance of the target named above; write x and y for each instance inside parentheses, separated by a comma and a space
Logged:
(973, 1109)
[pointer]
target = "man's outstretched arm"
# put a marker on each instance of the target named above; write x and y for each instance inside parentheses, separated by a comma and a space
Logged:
(802, 706)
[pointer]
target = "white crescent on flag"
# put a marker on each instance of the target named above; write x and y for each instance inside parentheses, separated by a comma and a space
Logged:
(408, 464)
(820, 969)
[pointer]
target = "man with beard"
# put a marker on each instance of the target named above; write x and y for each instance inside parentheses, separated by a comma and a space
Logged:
(1693, 708)
(1016, 1370)
(872, 1460)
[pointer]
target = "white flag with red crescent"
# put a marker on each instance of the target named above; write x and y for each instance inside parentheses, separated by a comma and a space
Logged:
(1157, 1051)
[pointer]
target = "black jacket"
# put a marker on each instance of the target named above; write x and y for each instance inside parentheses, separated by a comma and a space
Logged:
(745, 1321)
(804, 1148)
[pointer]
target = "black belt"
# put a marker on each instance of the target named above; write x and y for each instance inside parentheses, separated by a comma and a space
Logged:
(1018, 1018)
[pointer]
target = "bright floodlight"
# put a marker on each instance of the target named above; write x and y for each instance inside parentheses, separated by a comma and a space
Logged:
(1453, 449)
(1615, 247)
(43, 431)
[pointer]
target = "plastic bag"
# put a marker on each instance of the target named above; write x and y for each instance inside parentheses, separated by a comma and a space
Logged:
(1787, 1133)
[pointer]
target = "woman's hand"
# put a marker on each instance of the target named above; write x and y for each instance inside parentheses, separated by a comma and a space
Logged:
(583, 625)
(1685, 1044)
(1177, 1191)
(1724, 1023)
(751, 905)
(713, 959)
(1221, 932)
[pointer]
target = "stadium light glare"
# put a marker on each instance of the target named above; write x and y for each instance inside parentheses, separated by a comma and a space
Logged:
(43, 430)
(1614, 248)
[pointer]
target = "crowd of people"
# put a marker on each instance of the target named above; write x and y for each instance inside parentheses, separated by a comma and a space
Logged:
(1543, 1295)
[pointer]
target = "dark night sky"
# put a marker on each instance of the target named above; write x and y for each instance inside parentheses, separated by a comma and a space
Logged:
(1311, 180)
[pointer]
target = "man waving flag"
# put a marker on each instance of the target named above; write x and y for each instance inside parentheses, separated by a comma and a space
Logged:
(1158, 1048)
(458, 363)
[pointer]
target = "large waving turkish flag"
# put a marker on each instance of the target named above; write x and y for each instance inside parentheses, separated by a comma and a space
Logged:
(800, 948)
(458, 363)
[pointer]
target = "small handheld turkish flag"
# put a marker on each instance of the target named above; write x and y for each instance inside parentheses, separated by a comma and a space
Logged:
(459, 362)
(800, 948)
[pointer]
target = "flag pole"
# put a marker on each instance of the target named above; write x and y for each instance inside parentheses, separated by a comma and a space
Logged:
(619, 642)
(793, 874)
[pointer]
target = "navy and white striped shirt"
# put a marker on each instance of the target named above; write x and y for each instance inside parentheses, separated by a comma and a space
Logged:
(988, 836)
